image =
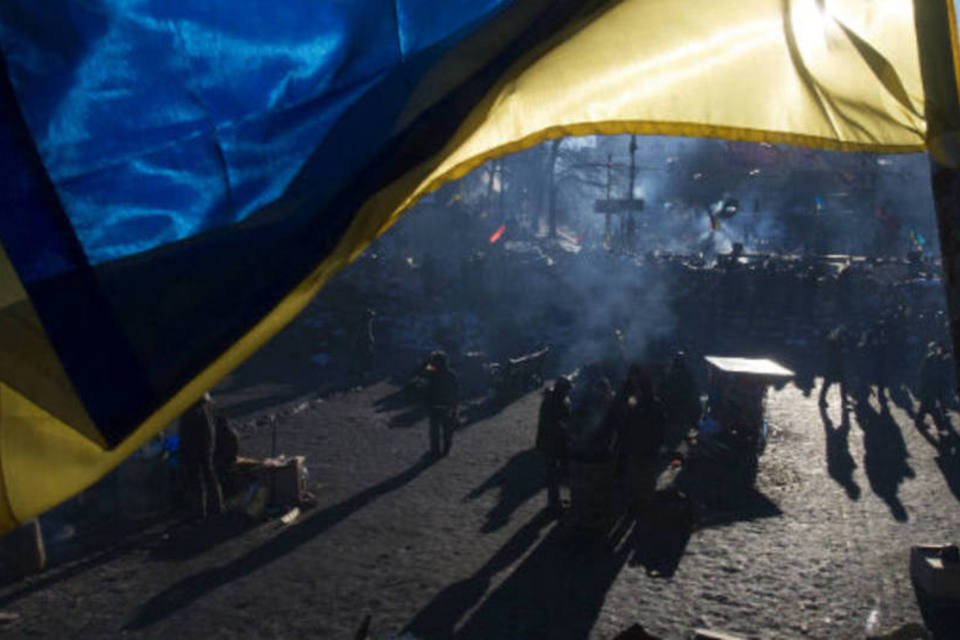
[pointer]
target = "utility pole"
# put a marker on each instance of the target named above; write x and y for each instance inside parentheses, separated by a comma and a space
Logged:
(942, 113)
(606, 222)
(552, 194)
(503, 212)
(633, 176)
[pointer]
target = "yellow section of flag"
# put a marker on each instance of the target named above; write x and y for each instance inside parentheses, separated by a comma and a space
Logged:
(831, 74)
(875, 75)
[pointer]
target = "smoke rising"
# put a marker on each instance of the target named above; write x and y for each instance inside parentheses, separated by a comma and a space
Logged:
(598, 292)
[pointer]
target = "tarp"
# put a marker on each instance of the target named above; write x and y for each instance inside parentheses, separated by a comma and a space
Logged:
(179, 178)
(762, 367)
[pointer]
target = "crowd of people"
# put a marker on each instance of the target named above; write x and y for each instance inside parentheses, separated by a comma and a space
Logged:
(872, 319)
(653, 410)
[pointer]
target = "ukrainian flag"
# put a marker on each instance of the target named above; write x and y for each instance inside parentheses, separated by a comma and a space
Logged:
(179, 178)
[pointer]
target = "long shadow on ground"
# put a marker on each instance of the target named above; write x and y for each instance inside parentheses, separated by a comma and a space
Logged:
(840, 462)
(439, 618)
(885, 455)
(557, 591)
(518, 480)
(184, 541)
(486, 408)
(900, 396)
(90, 553)
(660, 535)
(189, 589)
(408, 410)
(944, 438)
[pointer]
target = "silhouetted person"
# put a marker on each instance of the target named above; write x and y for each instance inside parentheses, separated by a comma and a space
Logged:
(641, 427)
(226, 449)
(442, 394)
(834, 365)
(877, 348)
(681, 400)
(198, 439)
(364, 346)
(590, 416)
(933, 384)
(553, 437)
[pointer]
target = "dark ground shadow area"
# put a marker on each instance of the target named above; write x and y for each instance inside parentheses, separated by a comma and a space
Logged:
(899, 394)
(189, 589)
(86, 553)
(485, 409)
(943, 437)
(559, 587)
(557, 591)
(942, 619)
(439, 618)
(407, 410)
(518, 480)
(840, 462)
(661, 533)
(290, 391)
(189, 539)
(749, 504)
(948, 460)
(885, 455)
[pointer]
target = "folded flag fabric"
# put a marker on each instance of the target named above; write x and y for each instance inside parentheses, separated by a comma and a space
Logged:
(179, 178)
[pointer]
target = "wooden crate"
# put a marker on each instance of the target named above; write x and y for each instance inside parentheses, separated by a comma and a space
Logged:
(284, 480)
(938, 578)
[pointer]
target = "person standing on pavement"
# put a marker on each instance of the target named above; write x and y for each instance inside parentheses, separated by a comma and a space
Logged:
(442, 398)
(198, 442)
(878, 346)
(681, 400)
(934, 380)
(835, 369)
(644, 430)
(553, 437)
(364, 348)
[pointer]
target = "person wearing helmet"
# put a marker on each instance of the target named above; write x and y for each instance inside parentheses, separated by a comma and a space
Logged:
(553, 437)
(442, 394)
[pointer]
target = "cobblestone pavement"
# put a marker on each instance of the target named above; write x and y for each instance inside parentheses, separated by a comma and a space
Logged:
(461, 547)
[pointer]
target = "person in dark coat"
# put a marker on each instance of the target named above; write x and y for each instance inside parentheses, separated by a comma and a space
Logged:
(590, 421)
(934, 380)
(641, 428)
(225, 453)
(834, 365)
(681, 400)
(442, 397)
(877, 346)
(198, 442)
(553, 436)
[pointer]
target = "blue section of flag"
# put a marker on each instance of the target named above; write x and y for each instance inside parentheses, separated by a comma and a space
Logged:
(157, 120)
